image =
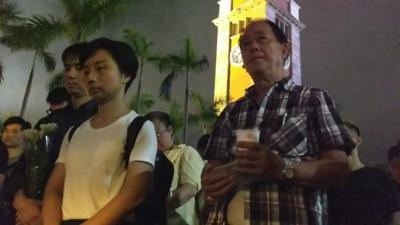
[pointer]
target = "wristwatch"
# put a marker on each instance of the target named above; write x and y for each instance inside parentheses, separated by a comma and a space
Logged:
(288, 169)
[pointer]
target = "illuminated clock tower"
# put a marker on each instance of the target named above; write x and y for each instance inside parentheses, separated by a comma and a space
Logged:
(231, 79)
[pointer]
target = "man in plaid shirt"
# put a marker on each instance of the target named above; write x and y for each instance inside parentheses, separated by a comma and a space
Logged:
(301, 151)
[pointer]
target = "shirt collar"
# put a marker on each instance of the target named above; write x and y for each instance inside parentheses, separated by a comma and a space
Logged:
(284, 84)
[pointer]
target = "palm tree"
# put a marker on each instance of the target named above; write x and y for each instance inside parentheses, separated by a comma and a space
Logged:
(145, 104)
(206, 113)
(83, 18)
(9, 13)
(142, 49)
(176, 116)
(185, 62)
(33, 34)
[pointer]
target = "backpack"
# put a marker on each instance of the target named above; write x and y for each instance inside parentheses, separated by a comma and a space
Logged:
(152, 211)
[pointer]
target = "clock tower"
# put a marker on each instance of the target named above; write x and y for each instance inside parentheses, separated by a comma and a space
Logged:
(231, 80)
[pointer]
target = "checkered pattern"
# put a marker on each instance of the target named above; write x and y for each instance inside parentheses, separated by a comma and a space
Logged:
(299, 123)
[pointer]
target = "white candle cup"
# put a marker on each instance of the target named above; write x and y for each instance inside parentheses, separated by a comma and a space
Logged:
(250, 135)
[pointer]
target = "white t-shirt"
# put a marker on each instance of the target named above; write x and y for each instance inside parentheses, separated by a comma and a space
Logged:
(95, 167)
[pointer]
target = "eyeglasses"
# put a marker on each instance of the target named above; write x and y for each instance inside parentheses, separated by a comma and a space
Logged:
(161, 132)
(49, 111)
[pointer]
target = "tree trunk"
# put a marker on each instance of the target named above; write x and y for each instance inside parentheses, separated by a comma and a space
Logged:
(186, 112)
(28, 87)
(139, 87)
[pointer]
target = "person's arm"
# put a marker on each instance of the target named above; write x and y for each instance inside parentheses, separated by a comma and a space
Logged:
(181, 195)
(138, 178)
(189, 175)
(216, 185)
(330, 169)
(51, 211)
(27, 209)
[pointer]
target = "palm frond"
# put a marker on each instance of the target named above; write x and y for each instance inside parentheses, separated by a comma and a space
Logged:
(165, 88)
(147, 101)
(9, 13)
(163, 64)
(201, 65)
(93, 14)
(139, 43)
(175, 112)
(48, 60)
(33, 34)
(198, 101)
(188, 52)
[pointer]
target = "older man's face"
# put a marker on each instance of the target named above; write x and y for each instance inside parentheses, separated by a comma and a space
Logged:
(261, 51)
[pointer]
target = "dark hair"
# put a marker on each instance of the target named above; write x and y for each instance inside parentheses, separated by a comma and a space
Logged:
(58, 96)
(202, 143)
(278, 33)
(76, 49)
(17, 120)
(394, 152)
(161, 116)
(121, 52)
(352, 126)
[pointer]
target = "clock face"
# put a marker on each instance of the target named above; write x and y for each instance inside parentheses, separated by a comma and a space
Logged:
(236, 56)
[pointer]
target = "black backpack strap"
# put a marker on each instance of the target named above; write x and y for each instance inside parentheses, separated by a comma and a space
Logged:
(72, 131)
(133, 130)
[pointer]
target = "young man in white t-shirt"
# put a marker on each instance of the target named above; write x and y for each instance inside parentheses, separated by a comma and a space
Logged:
(90, 183)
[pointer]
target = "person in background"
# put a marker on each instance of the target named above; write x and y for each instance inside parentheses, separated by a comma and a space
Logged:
(368, 197)
(80, 108)
(58, 100)
(188, 165)
(12, 137)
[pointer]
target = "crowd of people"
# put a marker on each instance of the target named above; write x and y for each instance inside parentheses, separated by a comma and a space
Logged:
(106, 164)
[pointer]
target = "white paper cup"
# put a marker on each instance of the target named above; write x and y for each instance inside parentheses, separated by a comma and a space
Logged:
(251, 135)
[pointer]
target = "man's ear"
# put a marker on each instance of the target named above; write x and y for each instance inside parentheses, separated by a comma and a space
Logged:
(357, 140)
(125, 79)
(285, 50)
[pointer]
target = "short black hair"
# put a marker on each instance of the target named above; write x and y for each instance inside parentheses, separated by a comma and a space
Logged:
(17, 120)
(76, 49)
(58, 96)
(394, 152)
(163, 117)
(276, 30)
(352, 126)
(124, 56)
(202, 143)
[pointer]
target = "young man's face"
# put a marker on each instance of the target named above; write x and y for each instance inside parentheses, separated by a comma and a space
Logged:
(12, 135)
(103, 77)
(261, 51)
(73, 77)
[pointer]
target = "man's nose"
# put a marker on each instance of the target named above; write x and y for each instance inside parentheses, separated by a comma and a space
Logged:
(90, 76)
(254, 46)
(71, 74)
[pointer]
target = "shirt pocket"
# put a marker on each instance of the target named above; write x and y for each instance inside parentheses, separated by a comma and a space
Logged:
(291, 139)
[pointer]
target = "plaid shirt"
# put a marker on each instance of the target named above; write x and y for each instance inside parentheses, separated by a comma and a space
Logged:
(299, 123)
